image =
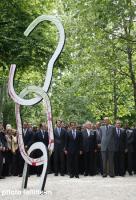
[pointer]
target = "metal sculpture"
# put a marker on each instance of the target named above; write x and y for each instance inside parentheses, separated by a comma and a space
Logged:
(41, 94)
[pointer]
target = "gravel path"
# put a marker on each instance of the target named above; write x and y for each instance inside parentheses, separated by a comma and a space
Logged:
(64, 188)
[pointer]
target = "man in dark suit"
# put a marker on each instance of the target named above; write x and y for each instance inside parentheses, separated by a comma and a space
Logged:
(3, 146)
(27, 135)
(120, 148)
(73, 150)
(108, 147)
(98, 153)
(41, 136)
(130, 148)
(134, 150)
(89, 148)
(59, 144)
(27, 138)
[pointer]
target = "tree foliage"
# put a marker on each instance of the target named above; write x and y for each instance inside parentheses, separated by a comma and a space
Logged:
(95, 74)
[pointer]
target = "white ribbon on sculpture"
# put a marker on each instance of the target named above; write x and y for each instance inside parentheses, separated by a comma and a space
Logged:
(48, 76)
(41, 94)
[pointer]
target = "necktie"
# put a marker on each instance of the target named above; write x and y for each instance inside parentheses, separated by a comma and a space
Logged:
(107, 128)
(118, 132)
(43, 134)
(59, 130)
(25, 130)
(74, 135)
(88, 133)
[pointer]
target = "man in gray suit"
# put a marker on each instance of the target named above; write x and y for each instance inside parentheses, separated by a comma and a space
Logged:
(108, 147)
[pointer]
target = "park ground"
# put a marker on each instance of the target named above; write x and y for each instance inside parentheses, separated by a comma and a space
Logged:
(64, 188)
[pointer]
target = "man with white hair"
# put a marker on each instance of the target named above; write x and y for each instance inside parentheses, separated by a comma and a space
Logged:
(8, 127)
(89, 147)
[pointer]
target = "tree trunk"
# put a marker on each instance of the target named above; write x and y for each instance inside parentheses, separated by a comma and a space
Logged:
(115, 99)
(132, 75)
(1, 103)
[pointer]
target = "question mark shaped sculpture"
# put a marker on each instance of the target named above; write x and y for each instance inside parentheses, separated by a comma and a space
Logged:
(41, 94)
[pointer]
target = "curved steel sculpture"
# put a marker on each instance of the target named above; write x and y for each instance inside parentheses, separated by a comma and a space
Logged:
(41, 94)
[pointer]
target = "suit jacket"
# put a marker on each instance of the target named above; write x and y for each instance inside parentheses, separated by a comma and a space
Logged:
(42, 137)
(28, 137)
(120, 141)
(130, 139)
(3, 141)
(134, 140)
(108, 138)
(89, 142)
(73, 145)
(59, 140)
(99, 135)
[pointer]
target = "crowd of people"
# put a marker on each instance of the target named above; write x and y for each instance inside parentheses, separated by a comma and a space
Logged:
(88, 149)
